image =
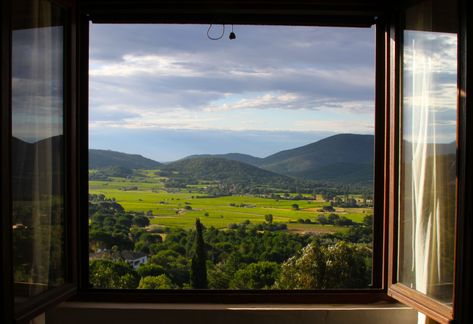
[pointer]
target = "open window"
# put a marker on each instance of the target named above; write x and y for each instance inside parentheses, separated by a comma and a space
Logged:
(426, 180)
(38, 189)
(261, 174)
(422, 202)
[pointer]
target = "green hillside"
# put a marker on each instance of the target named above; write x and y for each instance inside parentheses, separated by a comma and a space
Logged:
(342, 158)
(99, 159)
(219, 169)
(245, 158)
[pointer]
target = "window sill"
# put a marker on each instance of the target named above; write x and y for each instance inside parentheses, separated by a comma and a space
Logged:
(90, 313)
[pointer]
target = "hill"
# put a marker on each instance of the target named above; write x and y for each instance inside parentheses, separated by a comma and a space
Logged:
(244, 158)
(339, 159)
(99, 159)
(342, 159)
(220, 169)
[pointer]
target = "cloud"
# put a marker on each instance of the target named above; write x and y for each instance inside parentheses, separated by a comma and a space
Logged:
(338, 126)
(271, 79)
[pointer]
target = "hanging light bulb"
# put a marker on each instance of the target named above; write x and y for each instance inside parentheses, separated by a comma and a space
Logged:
(232, 34)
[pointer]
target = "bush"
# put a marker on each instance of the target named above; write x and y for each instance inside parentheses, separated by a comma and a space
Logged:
(156, 282)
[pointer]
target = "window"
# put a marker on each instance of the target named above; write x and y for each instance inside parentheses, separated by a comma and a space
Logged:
(427, 181)
(262, 152)
(38, 204)
(438, 292)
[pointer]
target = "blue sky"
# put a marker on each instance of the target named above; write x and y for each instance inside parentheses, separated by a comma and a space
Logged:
(167, 91)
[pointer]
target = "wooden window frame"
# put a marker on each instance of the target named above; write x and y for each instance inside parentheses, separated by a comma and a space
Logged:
(97, 14)
(324, 12)
(37, 304)
(463, 224)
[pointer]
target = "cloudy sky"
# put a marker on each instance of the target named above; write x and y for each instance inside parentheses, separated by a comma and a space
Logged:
(167, 91)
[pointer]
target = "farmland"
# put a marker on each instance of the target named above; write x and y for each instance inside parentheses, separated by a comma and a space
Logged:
(217, 223)
(178, 208)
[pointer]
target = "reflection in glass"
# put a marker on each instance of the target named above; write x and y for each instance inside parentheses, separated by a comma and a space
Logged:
(37, 148)
(428, 162)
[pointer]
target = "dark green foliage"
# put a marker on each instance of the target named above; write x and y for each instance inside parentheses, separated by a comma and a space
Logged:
(117, 171)
(244, 158)
(227, 171)
(259, 275)
(150, 269)
(109, 274)
(141, 221)
(240, 258)
(156, 282)
(328, 208)
(111, 226)
(334, 266)
(321, 219)
(199, 259)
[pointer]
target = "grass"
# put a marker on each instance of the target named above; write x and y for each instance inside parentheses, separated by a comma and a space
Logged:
(169, 208)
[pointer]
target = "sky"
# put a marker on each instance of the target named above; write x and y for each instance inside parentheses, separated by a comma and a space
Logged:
(168, 91)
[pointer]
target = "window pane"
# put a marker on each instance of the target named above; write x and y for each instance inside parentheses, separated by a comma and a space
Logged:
(259, 157)
(37, 147)
(428, 151)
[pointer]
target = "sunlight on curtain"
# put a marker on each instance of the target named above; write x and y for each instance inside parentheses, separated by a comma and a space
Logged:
(428, 164)
(37, 147)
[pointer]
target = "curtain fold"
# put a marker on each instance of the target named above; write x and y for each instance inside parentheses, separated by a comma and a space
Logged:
(428, 161)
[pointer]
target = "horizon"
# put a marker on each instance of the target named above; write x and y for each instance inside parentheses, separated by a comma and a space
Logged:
(232, 152)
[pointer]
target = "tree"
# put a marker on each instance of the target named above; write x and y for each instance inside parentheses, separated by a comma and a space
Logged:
(156, 282)
(321, 219)
(146, 270)
(109, 274)
(199, 259)
(268, 218)
(259, 275)
(328, 208)
(341, 265)
(295, 206)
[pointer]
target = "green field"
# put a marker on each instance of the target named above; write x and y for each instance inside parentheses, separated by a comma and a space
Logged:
(179, 208)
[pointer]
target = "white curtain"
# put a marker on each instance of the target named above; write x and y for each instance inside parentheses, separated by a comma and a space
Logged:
(429, 163)
(37, 127)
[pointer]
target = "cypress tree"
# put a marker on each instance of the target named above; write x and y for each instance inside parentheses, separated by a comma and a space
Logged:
(198, 265)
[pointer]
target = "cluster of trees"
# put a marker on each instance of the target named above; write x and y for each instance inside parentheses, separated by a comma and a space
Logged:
(105, 173)
(111, 226)
(246, 257)
(334, 219)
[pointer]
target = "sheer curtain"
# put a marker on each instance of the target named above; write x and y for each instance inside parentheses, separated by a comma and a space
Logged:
(428, 162)
(37, 150)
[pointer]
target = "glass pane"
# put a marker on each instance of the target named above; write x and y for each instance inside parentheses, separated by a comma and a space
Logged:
(37, 147)
(428, 151)
(231, 164)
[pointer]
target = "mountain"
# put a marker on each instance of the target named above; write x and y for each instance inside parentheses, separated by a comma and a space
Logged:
(99, 159)
(245, 158)
(37, 168)
(215, 168)
(342, 159)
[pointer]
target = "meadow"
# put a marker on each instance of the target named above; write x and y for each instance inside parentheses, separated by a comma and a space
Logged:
(179, 208)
